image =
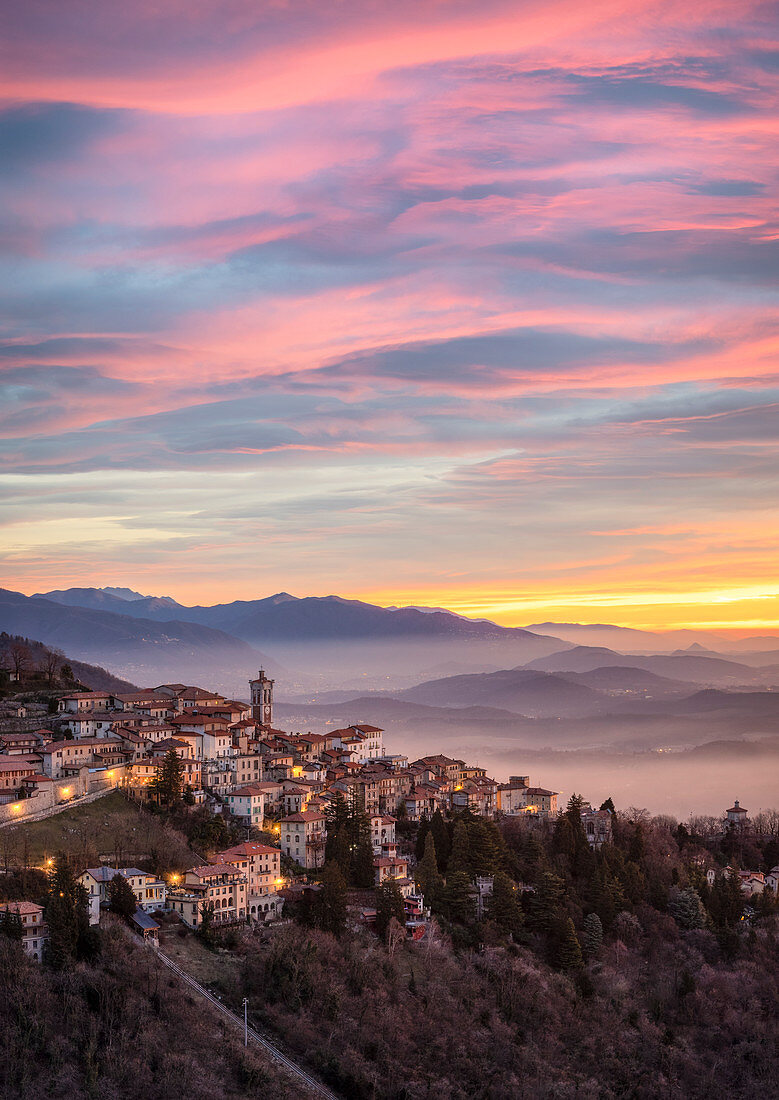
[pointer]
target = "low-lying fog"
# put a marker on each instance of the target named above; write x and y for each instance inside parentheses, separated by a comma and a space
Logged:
(705, 780)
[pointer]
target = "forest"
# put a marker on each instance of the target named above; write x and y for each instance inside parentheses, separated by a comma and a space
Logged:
(591, 973)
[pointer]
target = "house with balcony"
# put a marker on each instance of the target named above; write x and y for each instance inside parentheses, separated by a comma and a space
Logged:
(303, 838)
(261, 864)
(220, 886)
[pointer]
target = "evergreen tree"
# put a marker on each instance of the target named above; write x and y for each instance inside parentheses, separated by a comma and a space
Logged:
(483, 847)
(362, 865)
(567, 952)
(121, 897)
(422, 830)
(726, 902)
(686, 909)
(502, 906)
(168, 782)
(340, 851)
(330, 904)
(188, 798)
(426, 874)
(67, 915)
(460, 854)
(389, 904)
(458, 899)
(336, 819)
(546, 902)
(441, 838)
(592, 935)
(11, 924)
(205, 929)
(608, 805)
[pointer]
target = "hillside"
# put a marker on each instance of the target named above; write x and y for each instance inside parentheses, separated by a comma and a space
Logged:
(531, 693)
(45, 665)
(138, 649)
(120, 1027)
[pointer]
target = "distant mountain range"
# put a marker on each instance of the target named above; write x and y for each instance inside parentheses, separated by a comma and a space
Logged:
(347, 648)
(316, 640)
(136, 649)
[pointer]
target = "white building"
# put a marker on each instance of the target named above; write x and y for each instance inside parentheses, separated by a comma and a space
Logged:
(150, 892)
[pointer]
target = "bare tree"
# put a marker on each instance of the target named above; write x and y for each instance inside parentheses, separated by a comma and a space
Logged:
(19, 657)
(51, 663)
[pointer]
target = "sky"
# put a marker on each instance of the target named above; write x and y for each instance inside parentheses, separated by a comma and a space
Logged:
(455, 303)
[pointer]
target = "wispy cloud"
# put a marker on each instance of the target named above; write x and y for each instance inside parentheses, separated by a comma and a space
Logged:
(392, 279)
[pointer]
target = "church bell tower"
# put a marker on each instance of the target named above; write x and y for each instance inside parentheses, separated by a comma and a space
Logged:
(262, 699)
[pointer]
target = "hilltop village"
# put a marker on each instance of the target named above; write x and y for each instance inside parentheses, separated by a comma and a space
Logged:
(339, 889)
(176, 741)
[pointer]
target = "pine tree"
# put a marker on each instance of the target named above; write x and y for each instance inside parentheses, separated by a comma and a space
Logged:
(426, 874)
(483, 847)
(340, 851)
(389, 904)
(502, 906)
(460, 854)
(546, 902)
(121, 897)
(592, 935)
(168, 782)
(567, 952)
(67, 915)
(441, 838)
(362, 865)
(330, 904)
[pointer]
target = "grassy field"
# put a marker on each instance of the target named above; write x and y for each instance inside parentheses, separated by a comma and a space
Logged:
(110, 828)
(95, 825)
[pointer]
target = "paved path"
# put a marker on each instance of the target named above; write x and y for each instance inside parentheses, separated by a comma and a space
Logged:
(313, 1086)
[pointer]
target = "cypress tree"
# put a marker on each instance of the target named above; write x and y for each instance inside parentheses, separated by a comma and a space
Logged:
(168, 782)
(426, 874)
(340, 851)
(336, 820)
(362, 865)
(483, 849)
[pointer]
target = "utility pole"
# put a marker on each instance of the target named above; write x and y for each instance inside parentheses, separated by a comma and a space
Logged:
(246, 1021)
